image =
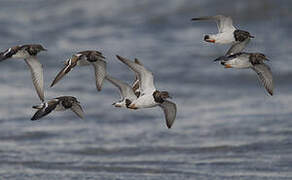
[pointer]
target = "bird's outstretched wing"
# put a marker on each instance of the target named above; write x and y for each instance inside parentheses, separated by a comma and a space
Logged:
(135, 85)
(146, 79)
(125, 89)
(224, 23)
(36, 70)
(237, 47)
(8, 53)
(265, 75)
(77, 109)
(45, 110)
(100, 73)
(69, 65)
(169, 109)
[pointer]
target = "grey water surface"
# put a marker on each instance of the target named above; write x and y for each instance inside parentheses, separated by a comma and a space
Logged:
(227, 126)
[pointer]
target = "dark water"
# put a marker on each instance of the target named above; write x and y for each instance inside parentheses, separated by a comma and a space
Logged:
(227, 126)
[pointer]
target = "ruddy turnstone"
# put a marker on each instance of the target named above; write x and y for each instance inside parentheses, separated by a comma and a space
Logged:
(58, 104)
(227, 32)
(95, 58)
(254, 61)
(28, 53)
(149, 95)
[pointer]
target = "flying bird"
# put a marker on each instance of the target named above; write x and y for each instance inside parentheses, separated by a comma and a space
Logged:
(28, 53)
(84, 58)
(227, 33)
(149, 95)
(255, 61)
(58, 104)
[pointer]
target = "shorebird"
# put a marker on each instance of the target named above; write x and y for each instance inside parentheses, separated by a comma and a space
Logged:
(149, 95)
(58, 104)
(255, 61)
(28, 53)
(84, 58)
(227, 33)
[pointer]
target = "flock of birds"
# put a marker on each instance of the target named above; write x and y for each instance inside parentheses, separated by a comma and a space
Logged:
(142, 93)
(235, 58)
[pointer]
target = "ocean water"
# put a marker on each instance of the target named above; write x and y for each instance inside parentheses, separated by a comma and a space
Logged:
(227, 126)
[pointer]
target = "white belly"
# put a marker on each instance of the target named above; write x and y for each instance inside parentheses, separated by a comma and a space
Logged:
(224, 38)
(145, 101)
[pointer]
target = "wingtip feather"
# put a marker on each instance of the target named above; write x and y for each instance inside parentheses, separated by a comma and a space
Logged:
(34, 118)
(194, 19)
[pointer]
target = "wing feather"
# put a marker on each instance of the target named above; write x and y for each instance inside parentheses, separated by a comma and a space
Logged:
(146, 79)
(224, 23)
(169, 109)
(45, 110)
(237, 47)
(61, 74)
(36, 70)
(100, 73)
(265, 76)
(135, 85)
(125, 90)
(69, 65)
(77, 109)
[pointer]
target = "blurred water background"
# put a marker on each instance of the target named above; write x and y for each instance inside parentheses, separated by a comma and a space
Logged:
(227, 126)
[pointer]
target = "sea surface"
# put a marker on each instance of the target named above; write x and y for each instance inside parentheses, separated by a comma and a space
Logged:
(227, 126)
